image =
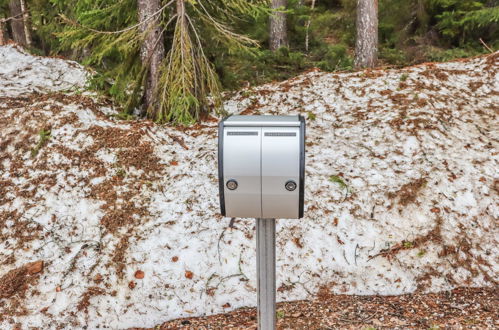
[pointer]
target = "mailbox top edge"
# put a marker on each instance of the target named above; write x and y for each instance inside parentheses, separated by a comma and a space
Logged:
(258, 121)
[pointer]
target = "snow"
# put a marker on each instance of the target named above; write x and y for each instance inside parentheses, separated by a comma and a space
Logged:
(22, 73)
(369, 129)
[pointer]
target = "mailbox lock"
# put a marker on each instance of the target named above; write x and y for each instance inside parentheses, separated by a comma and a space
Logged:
(290, 185)
(232, 184)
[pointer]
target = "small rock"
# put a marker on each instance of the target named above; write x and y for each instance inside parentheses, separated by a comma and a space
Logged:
(139, 274)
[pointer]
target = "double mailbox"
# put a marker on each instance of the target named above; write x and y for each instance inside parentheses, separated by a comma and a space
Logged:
(261, 166)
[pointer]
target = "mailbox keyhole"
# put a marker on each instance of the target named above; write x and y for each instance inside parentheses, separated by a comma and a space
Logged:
(290, 185)
(232, 184)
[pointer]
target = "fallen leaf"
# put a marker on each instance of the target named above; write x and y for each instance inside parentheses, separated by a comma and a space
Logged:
(173, 163)
(58, 289)
(226, 305)
(132, 285)
(98, 278)
(189, 274)
(175, 259)
(435, 210)
(297, 242)
(335, 222)
(139, 274)
(35, 267)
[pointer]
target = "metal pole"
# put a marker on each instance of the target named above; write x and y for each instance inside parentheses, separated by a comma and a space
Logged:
(265, 268)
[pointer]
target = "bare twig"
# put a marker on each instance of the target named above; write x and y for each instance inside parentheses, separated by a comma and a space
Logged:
(179, 140)
(17, 17)
(75, 258)
(486, 46)
(345, 256)
(218, 243)
(355, 253)
(374, 246)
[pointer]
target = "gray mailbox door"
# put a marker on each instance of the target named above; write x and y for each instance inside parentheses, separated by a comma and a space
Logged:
(241, 159)
(280, 165)
(261, 166)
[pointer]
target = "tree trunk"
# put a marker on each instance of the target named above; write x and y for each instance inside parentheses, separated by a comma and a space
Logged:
(152, 50)
(366, 46)
(278, 29)
(307, 27)
(180, 11)
(26, 23)
(3, 37)
(17, 22)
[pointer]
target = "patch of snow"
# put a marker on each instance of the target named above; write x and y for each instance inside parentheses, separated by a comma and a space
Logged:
(22, 73)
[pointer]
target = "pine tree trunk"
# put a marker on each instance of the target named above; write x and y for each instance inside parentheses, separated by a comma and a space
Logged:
(307, 27)
(181, 9)
(153, 50)
(26, 23)
(278, 29)
(3, 37)
(17, 23)
(366, 46)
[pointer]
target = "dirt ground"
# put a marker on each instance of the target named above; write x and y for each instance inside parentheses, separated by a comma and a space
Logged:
(462, 308)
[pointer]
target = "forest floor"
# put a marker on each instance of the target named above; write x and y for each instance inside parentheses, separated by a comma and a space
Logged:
(113, 223)
(463, 308)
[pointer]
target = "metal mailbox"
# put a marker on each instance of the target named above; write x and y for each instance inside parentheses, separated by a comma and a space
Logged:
(261, 166)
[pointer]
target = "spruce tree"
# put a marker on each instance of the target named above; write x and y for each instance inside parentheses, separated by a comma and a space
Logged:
(108, 35)
(461, 20)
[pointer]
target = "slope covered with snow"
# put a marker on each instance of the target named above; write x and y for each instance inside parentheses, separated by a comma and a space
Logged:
(22, 73)
(116, 223)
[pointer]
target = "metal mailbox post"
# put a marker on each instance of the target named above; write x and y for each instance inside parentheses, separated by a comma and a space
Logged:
(261, 168)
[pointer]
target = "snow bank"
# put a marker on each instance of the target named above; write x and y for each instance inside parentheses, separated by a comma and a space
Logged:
(22, 73)
(102, 199)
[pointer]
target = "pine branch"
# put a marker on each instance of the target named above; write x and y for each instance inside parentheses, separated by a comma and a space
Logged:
(158, 12)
